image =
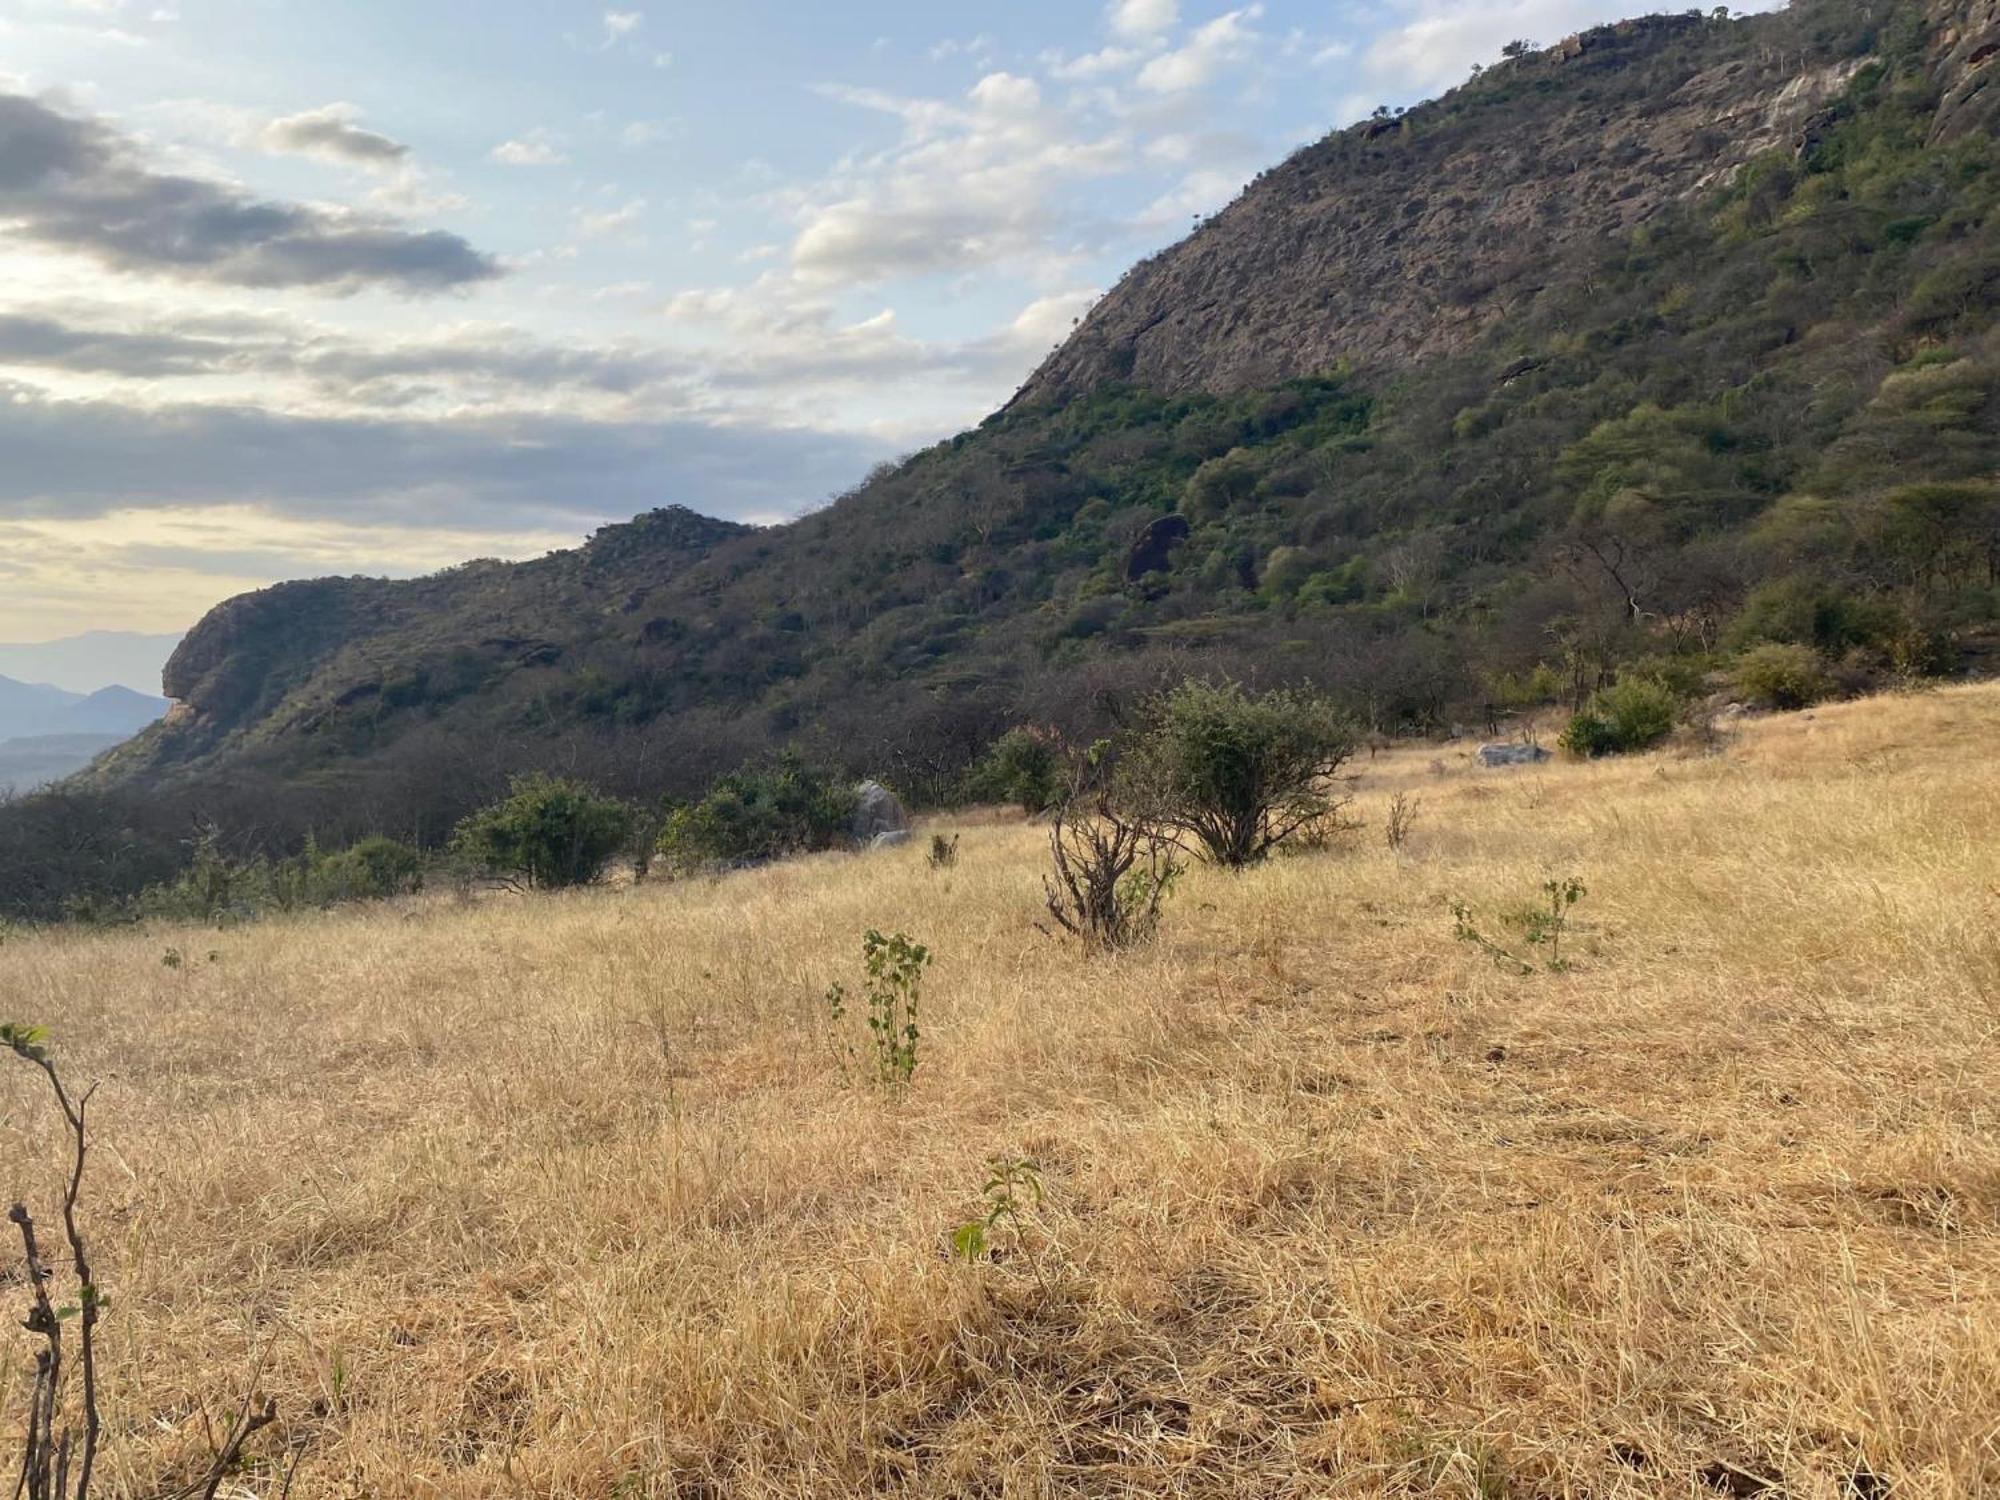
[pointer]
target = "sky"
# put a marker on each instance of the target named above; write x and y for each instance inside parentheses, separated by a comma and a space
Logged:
(299, 287)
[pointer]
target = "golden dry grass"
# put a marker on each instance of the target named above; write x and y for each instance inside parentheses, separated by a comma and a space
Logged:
(565, 1197)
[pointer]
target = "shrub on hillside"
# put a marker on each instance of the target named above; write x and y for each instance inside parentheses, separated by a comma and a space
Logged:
(759, 813)
(1234, 776)
(548, 833)
(1023, 767)
(371, 870)
(1779, 675)
(1634, 713)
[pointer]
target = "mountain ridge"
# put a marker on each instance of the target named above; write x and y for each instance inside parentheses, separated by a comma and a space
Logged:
(1584, 402)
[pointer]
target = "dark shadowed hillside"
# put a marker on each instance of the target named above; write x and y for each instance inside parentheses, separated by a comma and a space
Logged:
(1673, 339)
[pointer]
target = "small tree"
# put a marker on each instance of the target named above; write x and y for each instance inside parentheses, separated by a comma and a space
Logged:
(1634, 713)
(1233, 776)
(548, 833)
(1025, 767)
(1114, 864)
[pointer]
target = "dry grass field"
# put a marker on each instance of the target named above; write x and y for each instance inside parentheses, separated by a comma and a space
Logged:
(568, 1197)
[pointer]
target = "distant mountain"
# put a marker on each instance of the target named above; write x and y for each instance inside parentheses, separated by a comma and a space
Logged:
(1678, 337)
(35, 761)
(84, 663)
(36, 710)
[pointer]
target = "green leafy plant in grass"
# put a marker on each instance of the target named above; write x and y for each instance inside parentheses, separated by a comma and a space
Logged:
(1541, 925)
(1011, 1184)
(891, 994)
(1634, 713)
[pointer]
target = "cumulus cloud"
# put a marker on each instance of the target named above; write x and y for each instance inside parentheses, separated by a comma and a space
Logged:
(1208, 49)
(1144, 18)
(77, 185)
(972, 183)
(331, 134)
(537, 148)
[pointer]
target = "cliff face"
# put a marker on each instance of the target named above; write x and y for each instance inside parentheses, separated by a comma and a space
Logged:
(1966, 46)
(1411, 237)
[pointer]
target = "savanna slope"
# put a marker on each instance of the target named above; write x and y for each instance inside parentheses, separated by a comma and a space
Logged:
(1669, 339)
(566, 1196)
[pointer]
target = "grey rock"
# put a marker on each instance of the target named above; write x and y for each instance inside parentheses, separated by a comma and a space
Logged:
(877, 811)
(1512, 755)
(894, 839)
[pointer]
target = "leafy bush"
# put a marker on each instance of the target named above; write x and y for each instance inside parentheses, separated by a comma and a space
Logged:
(1778, 675)
(1234, 774)
(1634, 713)
(1023, 767)
(548, 833)
(372, 870)
(759, 813)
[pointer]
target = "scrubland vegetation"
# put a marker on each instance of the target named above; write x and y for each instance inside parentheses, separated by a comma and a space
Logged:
(593, 1193)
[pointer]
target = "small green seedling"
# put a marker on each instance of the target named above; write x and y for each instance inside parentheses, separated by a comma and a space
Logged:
(1011, 1183)
(1542, 926)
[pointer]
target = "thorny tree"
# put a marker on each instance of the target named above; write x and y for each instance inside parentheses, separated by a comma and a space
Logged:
(1114, 863)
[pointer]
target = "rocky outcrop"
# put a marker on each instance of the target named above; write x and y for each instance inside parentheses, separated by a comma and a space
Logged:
(1966, 53)
(1154, 551)
(1400, 239)
(878, 814)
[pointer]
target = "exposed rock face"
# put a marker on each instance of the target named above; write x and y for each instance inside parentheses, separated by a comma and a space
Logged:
(1154, 551)
(878, 813)
(1966, 48)
(1512, 755)
(1400, 239)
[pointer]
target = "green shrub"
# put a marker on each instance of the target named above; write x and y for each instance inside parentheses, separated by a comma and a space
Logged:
(372, 870)
(1023, 767)
(759, 813)
(1778, 675)
(548, 833)
(1634, 713)
(1236, 775)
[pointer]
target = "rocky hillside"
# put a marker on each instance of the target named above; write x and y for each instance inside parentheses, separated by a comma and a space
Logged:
(1636, 347)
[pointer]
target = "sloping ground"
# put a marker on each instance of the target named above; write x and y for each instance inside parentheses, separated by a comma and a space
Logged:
(566, 1197)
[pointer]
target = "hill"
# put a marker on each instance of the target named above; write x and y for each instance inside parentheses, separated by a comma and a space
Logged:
(1630, 354)
(37, 709)
(566, 1196)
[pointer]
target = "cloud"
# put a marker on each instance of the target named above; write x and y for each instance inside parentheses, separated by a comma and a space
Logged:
(976, 183)
(331, 134)
(73, 184)
(44, 342)
(84, 458)
(537, 148)
(619, 24)
(612, 222)
(1208, 49)
(1144, 18)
